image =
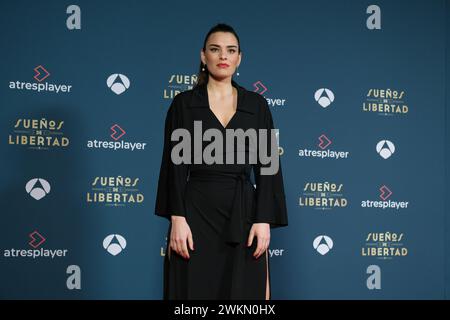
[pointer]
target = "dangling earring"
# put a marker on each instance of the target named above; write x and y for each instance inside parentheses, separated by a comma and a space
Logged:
(203, 67)
(237, 71)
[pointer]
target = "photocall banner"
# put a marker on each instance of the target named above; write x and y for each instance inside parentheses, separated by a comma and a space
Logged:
(358, 91)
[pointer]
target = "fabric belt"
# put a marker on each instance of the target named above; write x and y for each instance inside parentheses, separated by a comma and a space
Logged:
(234, 232)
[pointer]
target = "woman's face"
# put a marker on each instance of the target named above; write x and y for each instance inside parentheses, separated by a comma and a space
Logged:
(221, 55)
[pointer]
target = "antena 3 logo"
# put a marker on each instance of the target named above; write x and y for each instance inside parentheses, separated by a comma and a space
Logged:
(118, 83)
(114, 244)
(323, 244)
(179, 83)
(260, 88)
(116, 134)
(40, 75)
(323, 143)
(35, 240)
(385, 102)
(385, 149)
(385, 202)
(115, 191)
(384, 245)
(323, 196)
(324, 97)
(37, 188)
(40, 134)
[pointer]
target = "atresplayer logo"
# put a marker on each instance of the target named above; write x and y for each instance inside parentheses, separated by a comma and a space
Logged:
(40, 74)
(324, 143)
(40, 134)
(385, 202)
(260, 88)
(115, 191)
(36, 240)
(117, 132)
(385, 193)
(213, 153)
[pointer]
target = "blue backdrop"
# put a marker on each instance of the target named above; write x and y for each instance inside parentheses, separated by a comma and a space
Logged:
(358, 91)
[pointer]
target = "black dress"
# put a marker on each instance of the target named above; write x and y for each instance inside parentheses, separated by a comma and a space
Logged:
(220, 204)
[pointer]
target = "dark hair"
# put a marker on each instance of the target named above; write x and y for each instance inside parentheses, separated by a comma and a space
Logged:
(203, 76)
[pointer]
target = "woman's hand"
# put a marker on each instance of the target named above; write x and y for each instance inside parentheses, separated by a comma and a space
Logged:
(262, 233)
(179, 233)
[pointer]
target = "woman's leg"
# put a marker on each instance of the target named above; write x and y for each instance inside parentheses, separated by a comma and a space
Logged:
(267, 278)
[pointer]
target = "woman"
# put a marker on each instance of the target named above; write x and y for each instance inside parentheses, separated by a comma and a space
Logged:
(219, 223)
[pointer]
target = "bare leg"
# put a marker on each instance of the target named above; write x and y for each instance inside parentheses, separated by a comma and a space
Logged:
(267, 279)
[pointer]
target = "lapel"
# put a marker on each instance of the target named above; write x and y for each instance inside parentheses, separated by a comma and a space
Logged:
(200, 98)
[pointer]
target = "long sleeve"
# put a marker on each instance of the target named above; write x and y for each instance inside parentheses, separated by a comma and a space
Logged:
(270, 196)
(172, 177)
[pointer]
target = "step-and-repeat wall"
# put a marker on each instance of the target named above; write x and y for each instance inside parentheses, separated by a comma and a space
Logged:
(357, 90)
